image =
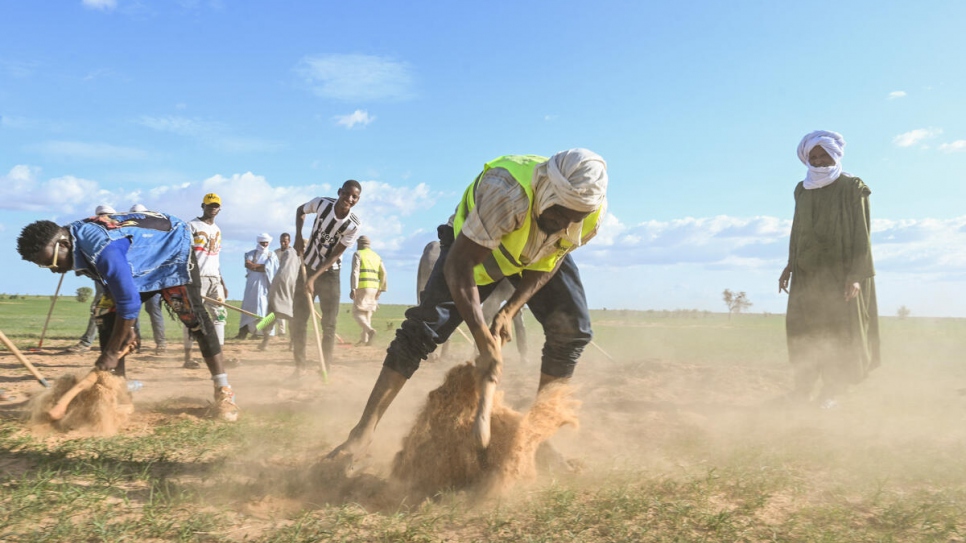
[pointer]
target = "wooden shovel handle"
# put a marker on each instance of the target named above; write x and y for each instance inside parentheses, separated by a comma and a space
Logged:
(59, 409)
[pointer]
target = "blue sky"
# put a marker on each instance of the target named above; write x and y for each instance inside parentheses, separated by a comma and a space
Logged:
(697, 107)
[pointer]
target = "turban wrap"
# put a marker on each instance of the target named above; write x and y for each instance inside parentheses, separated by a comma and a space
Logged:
(575, 179)
(834, 145)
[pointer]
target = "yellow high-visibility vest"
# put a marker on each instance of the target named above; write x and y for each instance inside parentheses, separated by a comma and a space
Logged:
(369, 264)
(505, 259)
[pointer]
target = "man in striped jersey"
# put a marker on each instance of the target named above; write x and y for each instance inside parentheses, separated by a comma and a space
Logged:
(335, 228)
(519, 219)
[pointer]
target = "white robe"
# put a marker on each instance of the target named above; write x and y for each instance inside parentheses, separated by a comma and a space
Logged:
(256, 286)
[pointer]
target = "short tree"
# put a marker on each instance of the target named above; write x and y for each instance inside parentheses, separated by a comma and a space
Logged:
(903, 312)
(84, 294)
(736, 302)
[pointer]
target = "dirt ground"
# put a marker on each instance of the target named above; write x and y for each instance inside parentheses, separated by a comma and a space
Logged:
(662, 417)
(625, 405)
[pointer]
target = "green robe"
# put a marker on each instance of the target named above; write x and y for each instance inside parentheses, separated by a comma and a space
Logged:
(830, 247)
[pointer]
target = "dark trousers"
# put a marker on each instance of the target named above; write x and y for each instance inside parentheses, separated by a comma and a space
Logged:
(560, 307)
(185, 302)
(327, 290)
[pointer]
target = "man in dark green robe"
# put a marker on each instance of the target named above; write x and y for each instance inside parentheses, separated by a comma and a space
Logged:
(832, 319)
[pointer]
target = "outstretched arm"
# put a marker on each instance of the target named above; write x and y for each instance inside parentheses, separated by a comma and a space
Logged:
(463, 256)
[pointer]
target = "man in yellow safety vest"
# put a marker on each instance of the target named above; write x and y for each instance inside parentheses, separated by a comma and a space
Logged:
(367, 283)
(520, 218)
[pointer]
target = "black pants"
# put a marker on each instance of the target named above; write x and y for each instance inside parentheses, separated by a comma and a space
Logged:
(327, 289)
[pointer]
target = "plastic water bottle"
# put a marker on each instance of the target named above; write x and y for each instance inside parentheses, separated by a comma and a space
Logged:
(134, 385)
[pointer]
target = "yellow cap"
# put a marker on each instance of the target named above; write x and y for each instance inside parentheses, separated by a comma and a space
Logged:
(211, 198)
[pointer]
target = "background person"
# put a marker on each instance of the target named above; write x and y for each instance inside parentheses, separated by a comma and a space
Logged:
(206, 245)
(367, 282)
(334, 229)
(262, 264)
(282, 292)
(832, 322)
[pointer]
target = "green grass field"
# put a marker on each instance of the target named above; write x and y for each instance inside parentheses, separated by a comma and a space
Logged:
(678, 448)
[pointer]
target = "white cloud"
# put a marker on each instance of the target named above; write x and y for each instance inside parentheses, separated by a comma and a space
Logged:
(909, 246)
(21, 189)
(103, 5)
(179, 125)
(913, 137)
(897, 94)
(359, 116)
(953, 147)
(211, 134)
(357, 77)
(90, 151)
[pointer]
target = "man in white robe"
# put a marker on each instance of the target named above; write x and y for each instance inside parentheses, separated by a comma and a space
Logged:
(262, 265)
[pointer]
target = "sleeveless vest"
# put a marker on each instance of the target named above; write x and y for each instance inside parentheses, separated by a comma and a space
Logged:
(505, 259)
(369, 263)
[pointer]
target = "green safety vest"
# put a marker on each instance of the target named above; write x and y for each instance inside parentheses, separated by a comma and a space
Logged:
(369, 264)
(505, 259)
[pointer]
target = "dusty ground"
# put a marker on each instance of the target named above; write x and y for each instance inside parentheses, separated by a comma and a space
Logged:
(625, 404)
(661, 417)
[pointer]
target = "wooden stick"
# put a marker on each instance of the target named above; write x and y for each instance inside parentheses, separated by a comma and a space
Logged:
(315, 325)
(262, 322)
(465, 335)
(609, 357)
(40, 344)
(59, 409)
(23, 360)
(481, 426)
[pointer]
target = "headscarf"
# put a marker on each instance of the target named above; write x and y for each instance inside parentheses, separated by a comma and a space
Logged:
(575, 179)
(262, 252)
(834, 145)
(363, 242)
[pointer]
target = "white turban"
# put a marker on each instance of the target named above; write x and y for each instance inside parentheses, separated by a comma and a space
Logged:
(575, 179)
(264, 237)
(834, 145)
(104, 209)
(137, 208)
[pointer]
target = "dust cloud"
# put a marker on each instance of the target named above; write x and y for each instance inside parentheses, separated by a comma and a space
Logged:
(100, 410)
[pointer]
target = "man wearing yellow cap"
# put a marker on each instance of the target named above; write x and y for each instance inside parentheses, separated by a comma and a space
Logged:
(206, 245)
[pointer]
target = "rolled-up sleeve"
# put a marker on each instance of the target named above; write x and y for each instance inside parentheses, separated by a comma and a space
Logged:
(501, 207)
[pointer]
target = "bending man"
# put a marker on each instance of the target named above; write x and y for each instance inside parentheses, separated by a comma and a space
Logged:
(134, 256)
(519, 219)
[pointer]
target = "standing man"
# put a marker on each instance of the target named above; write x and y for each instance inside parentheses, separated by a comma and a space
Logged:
(262, 264)
(206, 244)
(519, 219)
(368, 282)
(335, 228)
(134, 256)
(280, 295)
(86, 340)
(832, 320)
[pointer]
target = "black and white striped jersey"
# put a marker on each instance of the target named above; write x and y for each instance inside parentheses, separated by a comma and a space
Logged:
(327, 231)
